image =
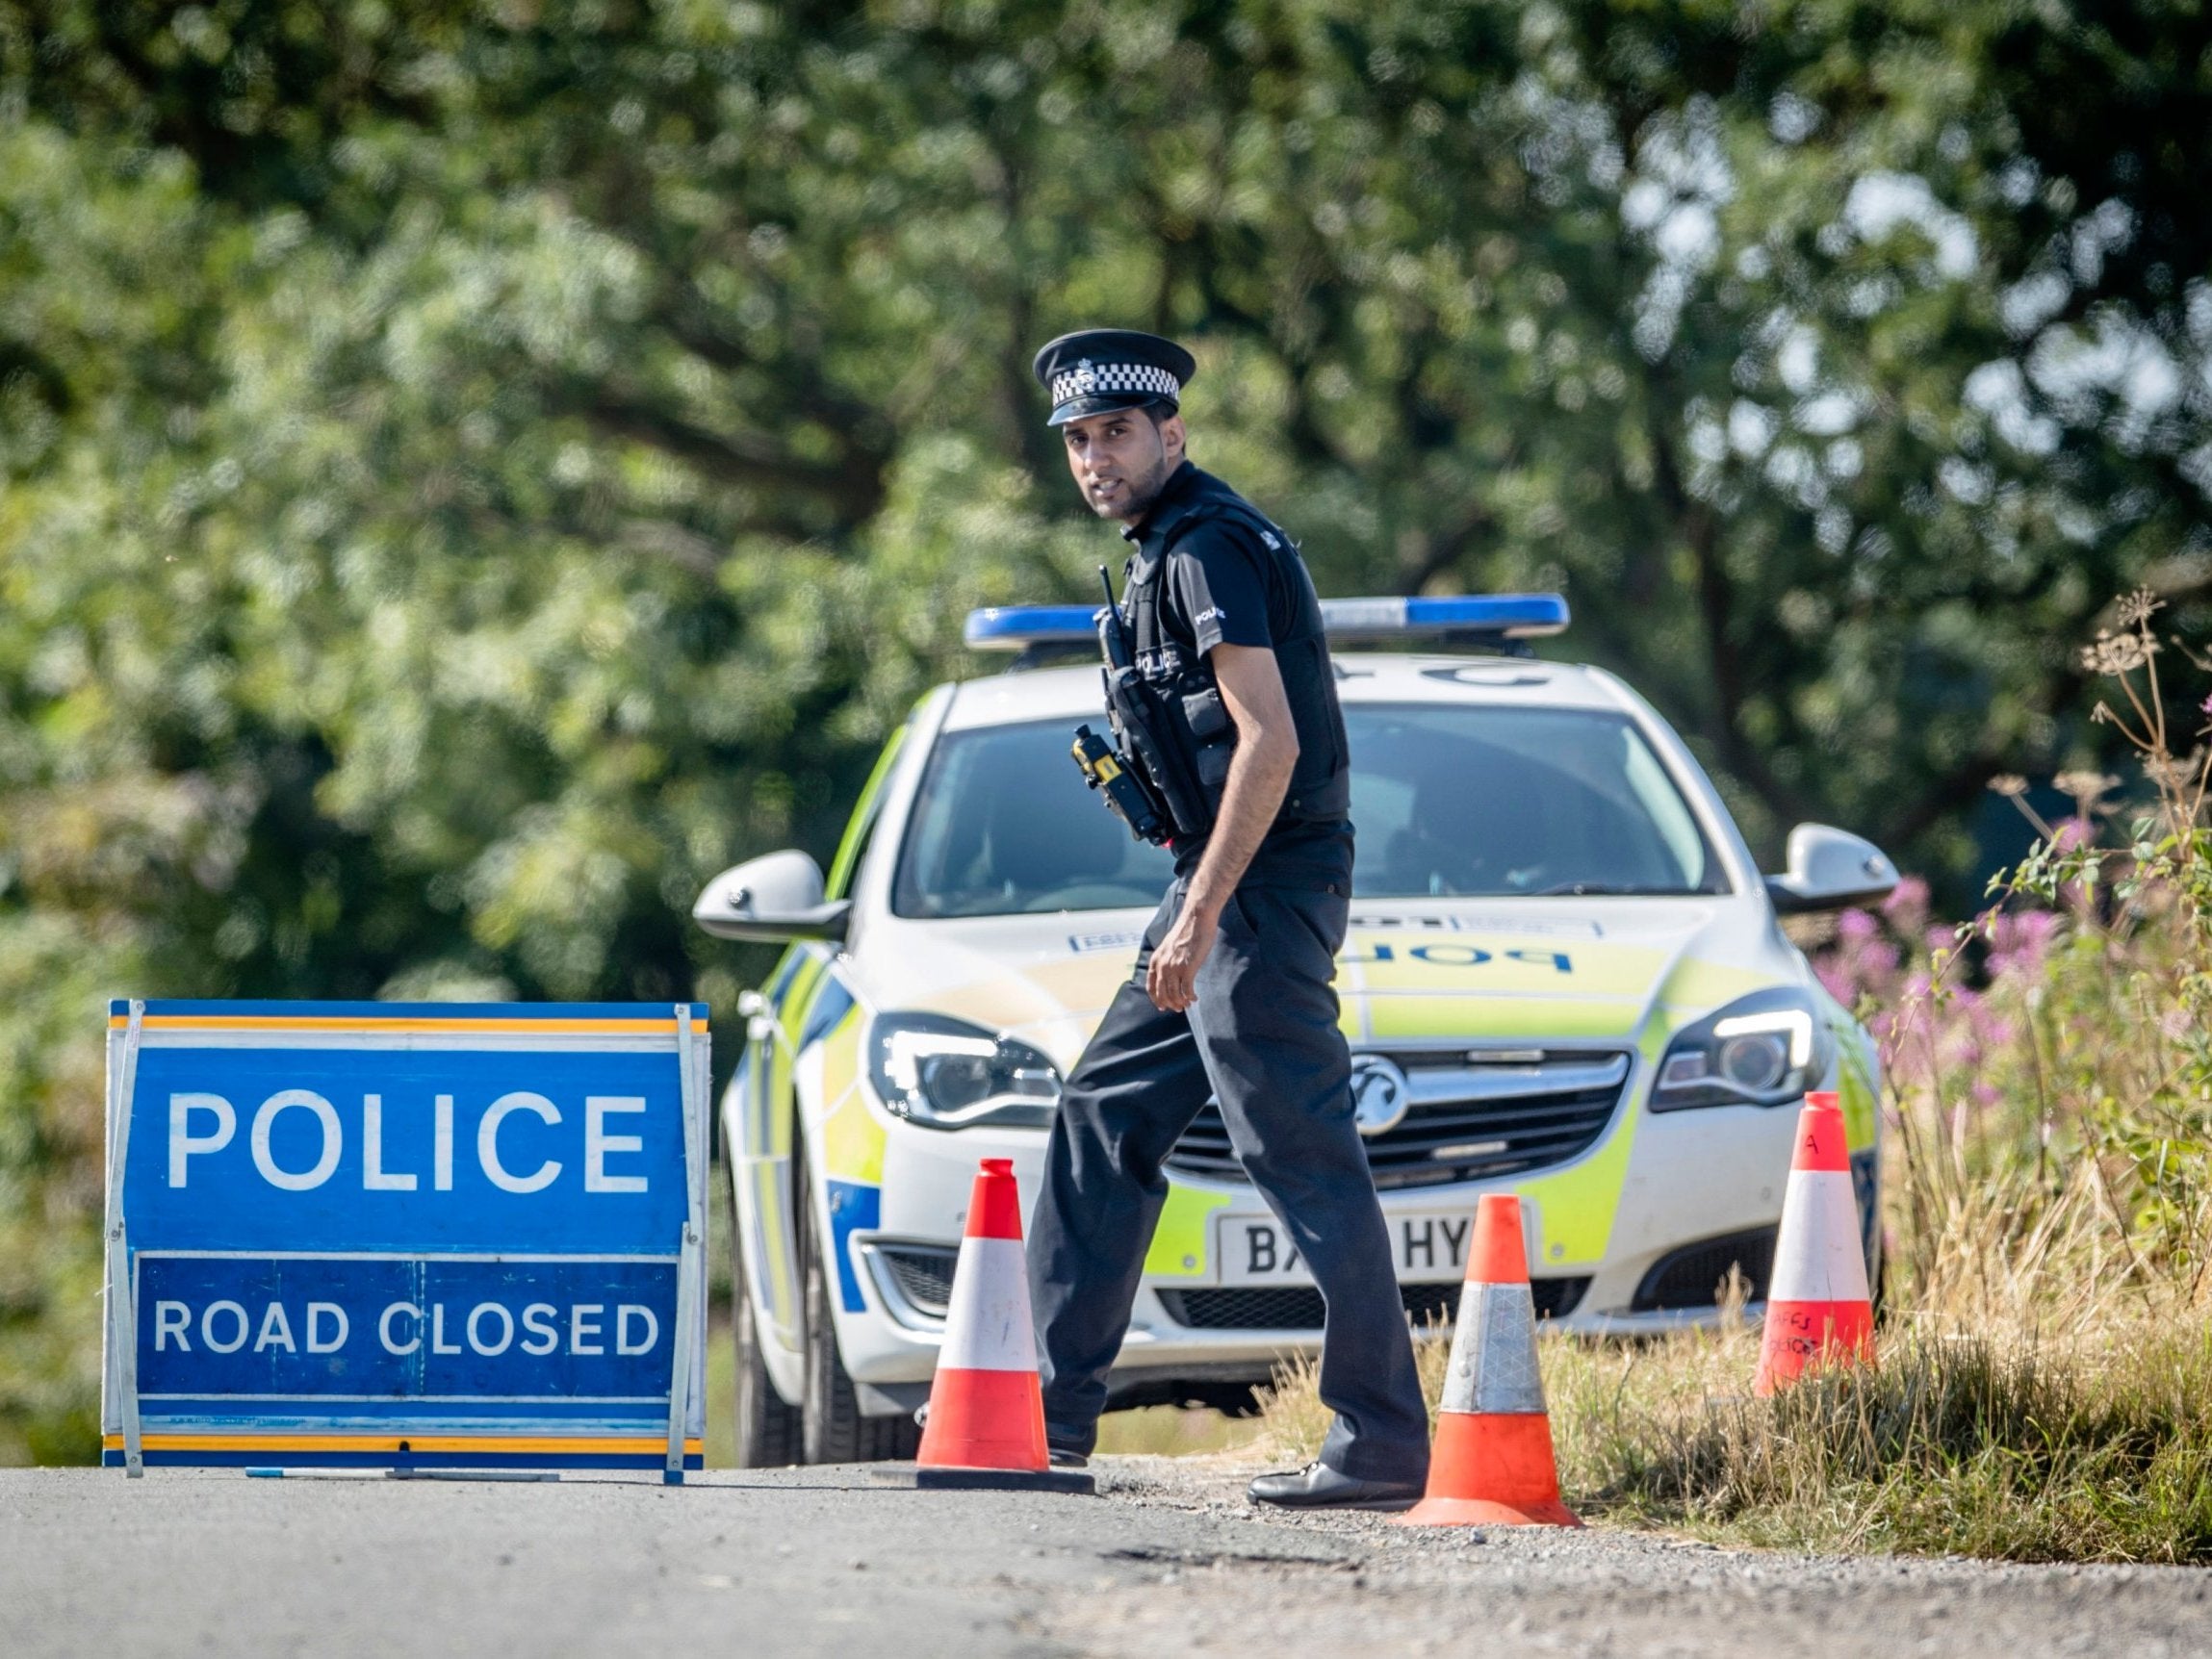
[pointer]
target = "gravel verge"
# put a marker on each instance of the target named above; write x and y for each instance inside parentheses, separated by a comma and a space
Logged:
(1351, 1583)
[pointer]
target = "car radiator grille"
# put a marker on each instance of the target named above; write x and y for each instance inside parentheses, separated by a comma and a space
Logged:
(1298, 1307)
(1477, 1114)
(923, 1274)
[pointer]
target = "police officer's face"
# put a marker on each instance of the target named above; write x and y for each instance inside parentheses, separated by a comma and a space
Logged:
(1122, 459)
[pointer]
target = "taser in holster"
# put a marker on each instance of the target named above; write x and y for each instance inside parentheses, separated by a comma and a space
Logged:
(1124, 791)
(1109, 768)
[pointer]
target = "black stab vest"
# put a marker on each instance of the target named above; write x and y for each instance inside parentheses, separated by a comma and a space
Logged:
(1320, 783)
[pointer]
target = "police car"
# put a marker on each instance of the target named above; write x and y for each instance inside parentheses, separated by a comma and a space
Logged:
(1564, 977)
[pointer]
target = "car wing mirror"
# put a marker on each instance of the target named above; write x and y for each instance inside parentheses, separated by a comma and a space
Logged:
(1830, 869)
(772, 900)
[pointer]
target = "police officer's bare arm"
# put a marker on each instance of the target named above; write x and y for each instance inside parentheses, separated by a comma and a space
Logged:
(1259, 776)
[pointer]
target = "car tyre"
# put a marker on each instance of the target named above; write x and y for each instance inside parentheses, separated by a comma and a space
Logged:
(767, 1429)
(831, 1426)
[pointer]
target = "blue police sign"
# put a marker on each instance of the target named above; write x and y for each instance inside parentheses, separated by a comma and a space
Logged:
(416, 1235)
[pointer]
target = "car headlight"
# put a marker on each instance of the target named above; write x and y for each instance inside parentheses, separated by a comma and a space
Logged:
(947, 1074)
(1762, 1050)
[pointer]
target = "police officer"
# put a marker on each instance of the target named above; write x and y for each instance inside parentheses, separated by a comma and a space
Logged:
(1232, 994)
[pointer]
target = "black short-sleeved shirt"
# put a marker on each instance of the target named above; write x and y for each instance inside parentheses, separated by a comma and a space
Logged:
(1224, 584)
(1219, 589)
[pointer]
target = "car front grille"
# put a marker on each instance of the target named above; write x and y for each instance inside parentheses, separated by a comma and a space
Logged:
(1690, 1277)
(1298, 1307)
(1477, 1114)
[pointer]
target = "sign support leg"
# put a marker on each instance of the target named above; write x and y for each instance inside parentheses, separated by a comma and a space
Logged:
(692, 1258)
(122, 1308)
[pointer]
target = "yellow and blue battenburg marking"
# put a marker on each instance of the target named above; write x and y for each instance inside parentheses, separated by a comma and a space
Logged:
(407, 1235)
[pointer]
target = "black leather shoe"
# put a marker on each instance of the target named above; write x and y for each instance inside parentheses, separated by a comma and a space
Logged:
(1067, 1449)
(1316, 1485)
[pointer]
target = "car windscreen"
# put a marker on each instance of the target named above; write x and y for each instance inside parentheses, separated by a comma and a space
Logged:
(1447, 800)
(1512, 803)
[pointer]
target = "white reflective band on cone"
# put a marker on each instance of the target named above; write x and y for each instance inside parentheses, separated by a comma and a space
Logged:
(987, 1327)
(1820, 1257)
(1494, 1352)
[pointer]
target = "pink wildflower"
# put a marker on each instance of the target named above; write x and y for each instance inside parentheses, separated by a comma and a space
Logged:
(2019, 941)
(1906, 905)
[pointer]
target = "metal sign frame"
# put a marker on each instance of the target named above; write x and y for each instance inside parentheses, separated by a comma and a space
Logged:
(636, 1027)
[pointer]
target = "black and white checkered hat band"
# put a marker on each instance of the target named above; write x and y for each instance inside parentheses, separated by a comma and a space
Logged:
(1091, 379)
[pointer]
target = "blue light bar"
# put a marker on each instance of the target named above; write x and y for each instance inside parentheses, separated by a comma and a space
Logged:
(1015, 627)
(1501, 616)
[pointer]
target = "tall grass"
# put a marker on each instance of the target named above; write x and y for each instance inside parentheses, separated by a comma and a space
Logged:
(2045, 1385)
(1985, 1445)
(2050, 1062)
(1980, 1445)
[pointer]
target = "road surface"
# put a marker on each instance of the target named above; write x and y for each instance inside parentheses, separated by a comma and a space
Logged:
(839, 1561)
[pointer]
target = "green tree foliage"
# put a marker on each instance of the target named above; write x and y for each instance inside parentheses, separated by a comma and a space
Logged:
(469, 471)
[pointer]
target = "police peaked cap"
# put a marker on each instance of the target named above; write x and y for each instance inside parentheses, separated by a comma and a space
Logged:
(1094, 369)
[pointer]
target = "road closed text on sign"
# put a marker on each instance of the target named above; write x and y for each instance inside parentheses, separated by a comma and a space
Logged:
(412, 1234)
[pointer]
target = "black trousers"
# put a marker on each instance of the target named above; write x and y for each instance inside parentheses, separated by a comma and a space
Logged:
(1262, 1038)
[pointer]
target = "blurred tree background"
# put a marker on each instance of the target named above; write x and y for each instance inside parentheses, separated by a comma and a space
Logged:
(469, 472)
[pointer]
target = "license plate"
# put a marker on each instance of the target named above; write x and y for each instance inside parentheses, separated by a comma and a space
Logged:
(1426, 1245)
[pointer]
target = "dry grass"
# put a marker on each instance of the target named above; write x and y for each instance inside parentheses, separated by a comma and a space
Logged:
(2086, 1449)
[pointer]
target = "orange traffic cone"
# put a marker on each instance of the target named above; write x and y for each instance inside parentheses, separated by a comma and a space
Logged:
(1816, 1302)
(1492, 1462)
(986, 1424)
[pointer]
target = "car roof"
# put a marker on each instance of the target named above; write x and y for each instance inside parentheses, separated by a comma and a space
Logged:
(1362, 677)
